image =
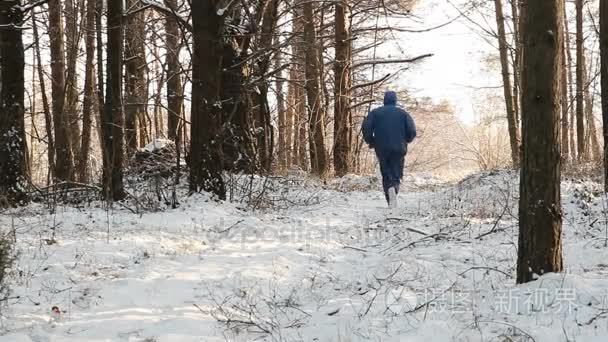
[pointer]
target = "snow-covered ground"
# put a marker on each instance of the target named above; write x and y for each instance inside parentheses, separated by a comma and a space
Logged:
(318, 262)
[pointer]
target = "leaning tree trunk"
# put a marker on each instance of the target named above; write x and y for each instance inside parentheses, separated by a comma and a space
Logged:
(89, 92)
(135, 78)
(64, 160)
(318, 154)
(113, 114)
(506, 80)
(342, 75)
(13, 169)
(174, 82)
(580, 83)
(540, 215)
(206, 162)
(604, 81)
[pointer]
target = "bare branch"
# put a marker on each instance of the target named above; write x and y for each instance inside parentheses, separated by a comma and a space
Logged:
(391, 61)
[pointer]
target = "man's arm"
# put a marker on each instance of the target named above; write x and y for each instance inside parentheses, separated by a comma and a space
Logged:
(410, 128)
(368, 129)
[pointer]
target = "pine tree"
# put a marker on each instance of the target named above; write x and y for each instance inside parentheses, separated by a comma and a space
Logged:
(540, 212)
(113, 122)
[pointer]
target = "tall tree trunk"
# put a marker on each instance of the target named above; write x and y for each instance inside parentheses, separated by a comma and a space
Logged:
(135, 77)
(72, 42)
(289, 117)
(89, 92)
(113, 114)
(298, 97)
(571, 93)
(283, 129)
(516, 59)
(13, 169)
(540, 215)
(506, 79)
(265, 141)
(206, 162)
(342, 75)
(100, 76)
(302, 127)
(158, 107)
(64, 160)
(326, 98)
(604, 82)
(318, 154)
(593, 148)
(580, 82)
(174, 82)
(520, 53)
(48, 123)
(238, 149)
(565, 106)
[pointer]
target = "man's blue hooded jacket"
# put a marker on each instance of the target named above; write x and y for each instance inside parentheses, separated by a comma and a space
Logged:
(389, 128)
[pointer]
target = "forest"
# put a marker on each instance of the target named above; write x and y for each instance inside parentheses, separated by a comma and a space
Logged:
(213, 170)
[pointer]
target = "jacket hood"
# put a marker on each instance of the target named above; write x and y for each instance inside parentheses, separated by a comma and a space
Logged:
(390, 98)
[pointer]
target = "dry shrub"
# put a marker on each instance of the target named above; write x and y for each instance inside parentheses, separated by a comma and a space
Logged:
(7, 258)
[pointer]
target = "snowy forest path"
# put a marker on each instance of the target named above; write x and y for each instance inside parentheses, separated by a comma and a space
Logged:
(333, 265)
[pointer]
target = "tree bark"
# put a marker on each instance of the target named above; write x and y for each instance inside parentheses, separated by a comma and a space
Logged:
(604, 82)
(64, 160)
(318, 154)
(135, 77)
(89, 92)
(580, 83)
(13, 169)
(342, 76)
(174, 82)
(206, 161)
(506, 79)
(540, 213)
(113, 114)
